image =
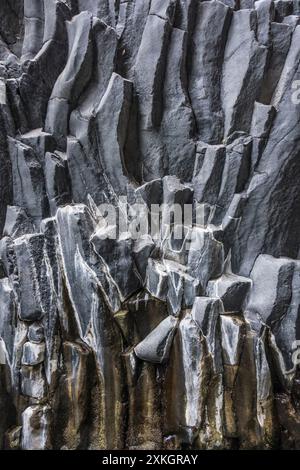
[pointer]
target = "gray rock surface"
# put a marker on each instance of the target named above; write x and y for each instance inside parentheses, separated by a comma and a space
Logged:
(158, 329)
(231, 289)
(156, 346)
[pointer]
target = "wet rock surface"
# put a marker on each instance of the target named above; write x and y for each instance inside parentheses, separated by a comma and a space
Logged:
(112, 342)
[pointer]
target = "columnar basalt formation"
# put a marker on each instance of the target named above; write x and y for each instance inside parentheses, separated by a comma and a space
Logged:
(152, 342)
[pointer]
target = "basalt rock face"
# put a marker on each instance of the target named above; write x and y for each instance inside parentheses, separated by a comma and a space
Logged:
(156, 341)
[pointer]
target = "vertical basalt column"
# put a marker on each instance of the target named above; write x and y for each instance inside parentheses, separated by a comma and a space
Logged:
(115, 333)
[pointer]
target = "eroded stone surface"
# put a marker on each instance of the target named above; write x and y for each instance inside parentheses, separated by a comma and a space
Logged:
(160, 342)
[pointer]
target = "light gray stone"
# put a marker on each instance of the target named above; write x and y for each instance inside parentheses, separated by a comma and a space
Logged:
(156, 346)
(33, 354)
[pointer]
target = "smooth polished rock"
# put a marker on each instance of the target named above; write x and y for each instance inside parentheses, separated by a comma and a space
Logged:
(156, 346)
(272, 287)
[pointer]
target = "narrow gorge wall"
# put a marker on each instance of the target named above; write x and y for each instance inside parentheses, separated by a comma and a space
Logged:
(150, 342)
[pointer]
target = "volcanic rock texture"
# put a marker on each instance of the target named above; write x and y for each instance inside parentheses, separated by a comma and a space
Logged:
(149, 343)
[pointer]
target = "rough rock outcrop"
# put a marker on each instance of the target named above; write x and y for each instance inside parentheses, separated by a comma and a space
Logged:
(174, 325)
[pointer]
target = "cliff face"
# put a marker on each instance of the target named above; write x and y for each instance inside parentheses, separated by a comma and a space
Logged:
(156, 341)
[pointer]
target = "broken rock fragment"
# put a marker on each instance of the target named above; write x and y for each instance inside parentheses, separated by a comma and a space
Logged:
(156, 346)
